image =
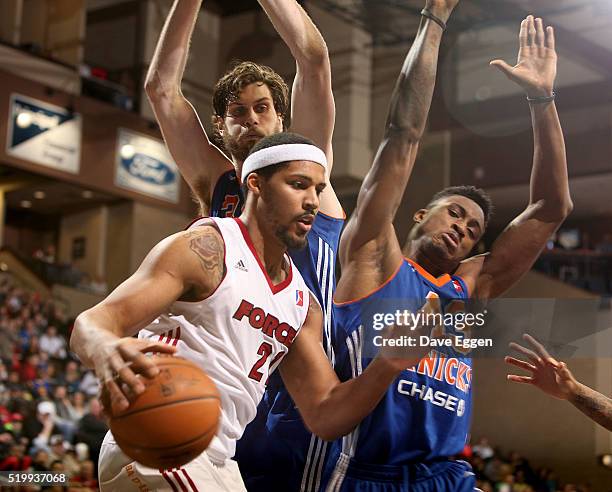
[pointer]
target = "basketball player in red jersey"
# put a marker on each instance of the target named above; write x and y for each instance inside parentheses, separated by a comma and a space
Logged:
(207, 281)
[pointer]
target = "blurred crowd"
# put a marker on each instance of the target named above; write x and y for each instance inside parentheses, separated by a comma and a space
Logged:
(52, 420)
(511, 472)
(50, 415)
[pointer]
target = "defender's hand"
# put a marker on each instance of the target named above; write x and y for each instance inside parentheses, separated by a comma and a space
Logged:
(403, 357)
(120, 364)
(547, 373)
(536, 68)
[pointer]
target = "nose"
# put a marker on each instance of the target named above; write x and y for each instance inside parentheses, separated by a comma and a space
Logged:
(458, 229)
(251, 119)
(311, 200)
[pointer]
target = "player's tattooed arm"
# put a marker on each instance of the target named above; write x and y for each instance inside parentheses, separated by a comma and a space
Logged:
(369, 238)
(206, 244)
(593, 404)
(555, 379)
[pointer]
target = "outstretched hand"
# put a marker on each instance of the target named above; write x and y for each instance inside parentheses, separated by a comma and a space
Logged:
(536, 67)
(547, 373)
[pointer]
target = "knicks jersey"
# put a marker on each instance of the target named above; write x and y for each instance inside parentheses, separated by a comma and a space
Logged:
(425, 413)
(277, 444)
(239, 334)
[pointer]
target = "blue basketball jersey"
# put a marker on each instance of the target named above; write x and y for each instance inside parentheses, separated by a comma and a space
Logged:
(276, 451)
(425, 414)
(227, 198)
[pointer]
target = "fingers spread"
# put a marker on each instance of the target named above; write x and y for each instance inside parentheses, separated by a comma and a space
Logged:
(121, 366)
(529, 353)
(539, 36)
(531, 31)
(519, 379)
(539, 348)
(523, 34)
(520, 363)
(550, 37)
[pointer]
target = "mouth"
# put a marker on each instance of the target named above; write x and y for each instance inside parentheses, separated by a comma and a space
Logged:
(304, 222)
(451, 240)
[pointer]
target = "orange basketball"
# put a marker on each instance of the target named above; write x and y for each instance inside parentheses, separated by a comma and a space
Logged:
(173, 420)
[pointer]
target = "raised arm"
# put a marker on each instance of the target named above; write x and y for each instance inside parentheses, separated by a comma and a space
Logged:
(369, 235)
(555, 378)
(516, 249)
(313, 111)
(198, 159)
(185, 264)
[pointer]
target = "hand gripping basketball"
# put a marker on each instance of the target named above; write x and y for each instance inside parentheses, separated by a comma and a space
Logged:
(121, 363)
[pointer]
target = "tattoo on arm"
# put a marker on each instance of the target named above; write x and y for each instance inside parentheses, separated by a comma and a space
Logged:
(594, 405)
(207, 245)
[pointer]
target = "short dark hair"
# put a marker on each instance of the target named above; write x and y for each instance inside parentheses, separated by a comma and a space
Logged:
(478, 195)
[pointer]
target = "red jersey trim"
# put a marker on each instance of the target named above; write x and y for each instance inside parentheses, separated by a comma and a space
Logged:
(247, 237)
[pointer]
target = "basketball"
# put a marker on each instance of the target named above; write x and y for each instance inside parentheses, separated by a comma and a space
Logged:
(173, 420)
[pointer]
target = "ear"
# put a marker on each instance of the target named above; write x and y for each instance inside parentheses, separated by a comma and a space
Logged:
(254, 183)
(219, 124)
(420, 215)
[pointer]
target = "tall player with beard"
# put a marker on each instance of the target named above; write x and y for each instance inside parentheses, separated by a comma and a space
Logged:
(424, 418)
(250, 102)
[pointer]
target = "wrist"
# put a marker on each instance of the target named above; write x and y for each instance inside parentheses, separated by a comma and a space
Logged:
(536, 92)
(574, 391)
(442, 13)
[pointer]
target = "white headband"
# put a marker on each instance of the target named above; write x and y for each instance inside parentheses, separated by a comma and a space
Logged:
(282, 153)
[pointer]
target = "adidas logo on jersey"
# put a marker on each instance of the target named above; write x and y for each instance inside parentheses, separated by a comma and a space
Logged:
(241, 266)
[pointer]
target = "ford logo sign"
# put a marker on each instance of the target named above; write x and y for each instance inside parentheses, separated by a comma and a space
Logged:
(149, 169)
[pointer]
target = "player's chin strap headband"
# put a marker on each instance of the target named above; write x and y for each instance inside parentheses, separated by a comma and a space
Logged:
(282, 153)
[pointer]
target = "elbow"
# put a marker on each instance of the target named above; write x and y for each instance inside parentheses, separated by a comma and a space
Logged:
(314, 57)
(567, 207)
(157, 91)
(406, 132)
(326, 429)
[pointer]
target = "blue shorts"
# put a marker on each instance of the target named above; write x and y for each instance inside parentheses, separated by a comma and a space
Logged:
(437, 476)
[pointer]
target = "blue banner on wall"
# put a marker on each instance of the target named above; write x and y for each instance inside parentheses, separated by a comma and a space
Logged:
(143, 164)
(44, 134)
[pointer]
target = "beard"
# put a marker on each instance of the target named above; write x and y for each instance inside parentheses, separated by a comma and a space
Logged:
(292, 242)
(238, 149)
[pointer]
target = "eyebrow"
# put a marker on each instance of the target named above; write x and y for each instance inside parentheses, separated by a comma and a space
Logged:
(464, 212)
(306, 178)
(260, 100)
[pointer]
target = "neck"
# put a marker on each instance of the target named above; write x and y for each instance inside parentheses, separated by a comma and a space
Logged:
(270, 250)
(413, 251)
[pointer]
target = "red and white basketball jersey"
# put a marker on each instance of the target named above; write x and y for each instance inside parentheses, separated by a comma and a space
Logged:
(240, 333)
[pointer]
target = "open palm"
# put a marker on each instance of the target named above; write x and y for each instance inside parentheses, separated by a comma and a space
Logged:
(548, 374)
(536, 67)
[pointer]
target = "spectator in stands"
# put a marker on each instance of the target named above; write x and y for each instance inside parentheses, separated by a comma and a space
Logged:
(71, 378)
(90, 385)
(79, 408)
(483, 449)
(17, 460)
(53, 344)
(92, 429)
(66, 418)
(87, 476)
